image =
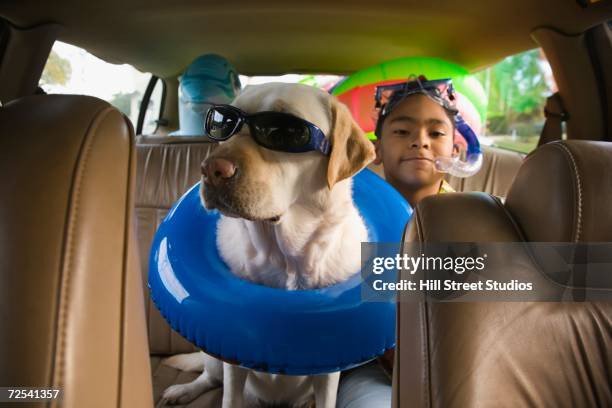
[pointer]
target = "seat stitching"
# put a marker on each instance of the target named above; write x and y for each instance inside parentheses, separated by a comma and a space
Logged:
(129, 213)
(578, 226)
(396, 370)
(69, 246)
(426, 390)
(425, 351)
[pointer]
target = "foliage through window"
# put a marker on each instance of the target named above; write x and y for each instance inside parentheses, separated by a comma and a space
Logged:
(72, 70)
(517, 88)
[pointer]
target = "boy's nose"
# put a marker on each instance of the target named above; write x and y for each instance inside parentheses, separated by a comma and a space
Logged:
(421, 140)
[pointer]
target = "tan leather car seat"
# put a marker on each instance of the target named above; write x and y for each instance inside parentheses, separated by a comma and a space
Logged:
(72, 314)
(167, 167)
(495, 176)
(514, 354)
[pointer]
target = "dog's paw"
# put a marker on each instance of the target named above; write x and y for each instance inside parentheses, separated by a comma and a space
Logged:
(180, 394)
(193, 362)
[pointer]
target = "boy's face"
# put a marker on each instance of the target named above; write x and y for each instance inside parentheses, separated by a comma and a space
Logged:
(416, 132)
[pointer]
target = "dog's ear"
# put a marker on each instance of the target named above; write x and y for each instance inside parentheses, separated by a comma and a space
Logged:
(351, 149)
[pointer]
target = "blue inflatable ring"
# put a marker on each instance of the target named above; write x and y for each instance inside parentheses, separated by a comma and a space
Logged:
(274, 330)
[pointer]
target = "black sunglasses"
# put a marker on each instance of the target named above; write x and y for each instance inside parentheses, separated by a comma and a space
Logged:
(273, 130)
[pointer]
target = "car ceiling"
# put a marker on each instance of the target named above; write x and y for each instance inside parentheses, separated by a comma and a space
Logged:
(317, 36)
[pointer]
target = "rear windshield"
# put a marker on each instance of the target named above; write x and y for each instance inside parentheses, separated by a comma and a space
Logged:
(517, 89)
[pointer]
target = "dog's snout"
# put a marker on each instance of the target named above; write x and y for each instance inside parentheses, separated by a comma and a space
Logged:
(217, 171)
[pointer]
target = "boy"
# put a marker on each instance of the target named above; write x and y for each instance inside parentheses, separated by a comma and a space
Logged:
(415, 130)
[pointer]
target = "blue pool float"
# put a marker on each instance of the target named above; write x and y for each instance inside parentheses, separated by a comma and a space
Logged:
(298, 332)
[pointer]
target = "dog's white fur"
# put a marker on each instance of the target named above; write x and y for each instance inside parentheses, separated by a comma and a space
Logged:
(296, 229)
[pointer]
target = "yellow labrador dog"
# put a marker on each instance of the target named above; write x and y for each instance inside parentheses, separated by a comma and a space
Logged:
(288, 221)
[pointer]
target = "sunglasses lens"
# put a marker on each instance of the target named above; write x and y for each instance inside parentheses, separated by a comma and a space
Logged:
(221, 122)
(280, 131)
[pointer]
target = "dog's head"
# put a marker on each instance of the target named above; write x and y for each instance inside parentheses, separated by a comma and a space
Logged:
(243, 179)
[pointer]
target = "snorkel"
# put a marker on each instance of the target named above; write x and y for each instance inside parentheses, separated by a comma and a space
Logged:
(442, 92)
(473, 160)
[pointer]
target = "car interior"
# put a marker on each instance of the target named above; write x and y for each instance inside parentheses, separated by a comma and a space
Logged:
(84, 190)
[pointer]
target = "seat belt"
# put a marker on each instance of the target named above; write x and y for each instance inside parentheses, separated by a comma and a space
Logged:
(555, 115)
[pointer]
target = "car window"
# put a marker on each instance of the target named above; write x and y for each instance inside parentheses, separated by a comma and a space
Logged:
(72, 70)
(154, 109)
(517, 89)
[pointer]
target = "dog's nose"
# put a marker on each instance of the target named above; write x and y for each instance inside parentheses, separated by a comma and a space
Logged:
(217, 171)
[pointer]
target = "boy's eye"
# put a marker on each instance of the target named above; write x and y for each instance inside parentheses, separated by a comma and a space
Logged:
(401, 132)
(436, 133)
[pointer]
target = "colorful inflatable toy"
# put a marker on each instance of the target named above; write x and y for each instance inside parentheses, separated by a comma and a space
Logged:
(357, 91)
(278, 331)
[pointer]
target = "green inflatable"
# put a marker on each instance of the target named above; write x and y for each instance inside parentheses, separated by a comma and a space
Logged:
(357, 90)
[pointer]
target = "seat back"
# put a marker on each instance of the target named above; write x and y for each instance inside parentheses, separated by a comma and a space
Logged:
(167, 168)
(71, 299)
(513, 353)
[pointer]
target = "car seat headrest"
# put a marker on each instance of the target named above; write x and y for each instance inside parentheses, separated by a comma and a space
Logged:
(562, 193)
